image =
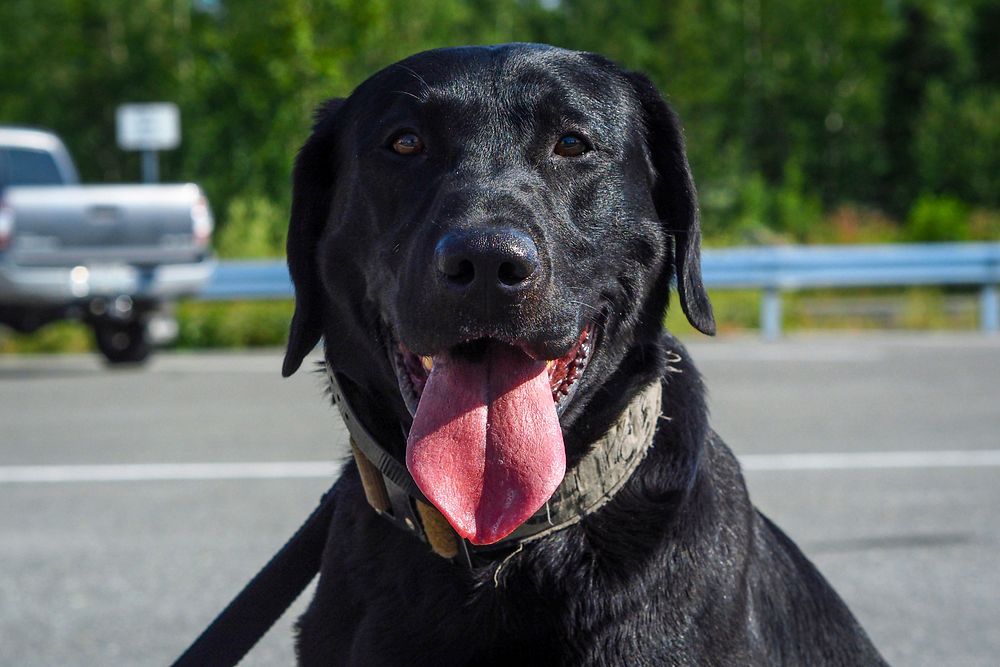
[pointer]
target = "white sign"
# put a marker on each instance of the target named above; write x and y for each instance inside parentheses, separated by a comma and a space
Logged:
(148, 127)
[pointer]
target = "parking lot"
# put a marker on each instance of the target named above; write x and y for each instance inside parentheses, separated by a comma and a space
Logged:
(137, 502)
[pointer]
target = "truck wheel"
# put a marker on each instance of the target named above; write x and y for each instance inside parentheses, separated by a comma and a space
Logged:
(122, 343)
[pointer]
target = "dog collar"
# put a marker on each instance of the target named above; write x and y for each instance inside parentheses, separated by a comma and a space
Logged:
(588, 486)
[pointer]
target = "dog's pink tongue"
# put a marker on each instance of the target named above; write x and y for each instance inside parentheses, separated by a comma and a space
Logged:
(485, 446)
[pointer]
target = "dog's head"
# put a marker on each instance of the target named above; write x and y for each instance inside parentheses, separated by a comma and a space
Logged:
(482, 236)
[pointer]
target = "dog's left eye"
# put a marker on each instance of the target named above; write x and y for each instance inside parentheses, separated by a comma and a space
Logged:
(570, 145)
(407, 143)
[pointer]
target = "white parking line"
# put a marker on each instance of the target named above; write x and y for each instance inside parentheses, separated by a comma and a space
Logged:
(871, 460)
(141, 472)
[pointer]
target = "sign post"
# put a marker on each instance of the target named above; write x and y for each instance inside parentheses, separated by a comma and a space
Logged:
(148, 128)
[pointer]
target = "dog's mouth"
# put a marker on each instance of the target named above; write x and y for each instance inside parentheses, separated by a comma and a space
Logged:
(486, 446)
(412, 370)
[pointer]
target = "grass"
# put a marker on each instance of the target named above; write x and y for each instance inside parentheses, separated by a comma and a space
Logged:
(238, 324)
(916, 308)
(58, 337)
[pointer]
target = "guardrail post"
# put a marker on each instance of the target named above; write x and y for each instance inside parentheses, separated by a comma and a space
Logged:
(770, 313)
(989, 309)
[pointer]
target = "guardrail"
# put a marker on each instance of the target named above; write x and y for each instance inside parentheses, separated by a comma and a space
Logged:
(249, 279)
(773, 269)
(786, 268)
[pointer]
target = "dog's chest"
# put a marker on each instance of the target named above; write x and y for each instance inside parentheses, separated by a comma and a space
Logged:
(404, 605)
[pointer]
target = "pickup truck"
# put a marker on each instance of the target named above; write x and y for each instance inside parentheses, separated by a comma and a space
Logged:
(113, 256)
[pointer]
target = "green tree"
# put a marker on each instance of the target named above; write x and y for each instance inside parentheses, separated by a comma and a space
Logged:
(787, 106)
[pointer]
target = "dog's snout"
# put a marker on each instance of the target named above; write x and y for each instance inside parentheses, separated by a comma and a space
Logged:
(497, 259)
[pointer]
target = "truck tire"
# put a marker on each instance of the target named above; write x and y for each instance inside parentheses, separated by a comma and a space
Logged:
(122, 342)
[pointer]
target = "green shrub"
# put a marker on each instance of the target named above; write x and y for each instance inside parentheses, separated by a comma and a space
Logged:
(57, 337)
(797, 211)
(938, 218)
(984, 225)
(253, 226)
(851, 223)
(238, 324)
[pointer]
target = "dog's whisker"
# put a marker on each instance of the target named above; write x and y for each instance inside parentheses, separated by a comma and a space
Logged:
(586, 305)
(424, 86)
(409, 94)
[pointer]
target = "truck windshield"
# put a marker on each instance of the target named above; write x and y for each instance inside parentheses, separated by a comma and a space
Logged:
(24, 166)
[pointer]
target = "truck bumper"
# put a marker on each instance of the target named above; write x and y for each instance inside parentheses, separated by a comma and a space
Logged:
(54, 286)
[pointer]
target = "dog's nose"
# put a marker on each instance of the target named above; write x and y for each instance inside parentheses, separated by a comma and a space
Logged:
(497, 259)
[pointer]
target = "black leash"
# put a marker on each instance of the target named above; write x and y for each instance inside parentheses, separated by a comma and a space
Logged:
(262, 601)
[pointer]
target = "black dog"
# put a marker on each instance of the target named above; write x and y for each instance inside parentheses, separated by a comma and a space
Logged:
(485, 239)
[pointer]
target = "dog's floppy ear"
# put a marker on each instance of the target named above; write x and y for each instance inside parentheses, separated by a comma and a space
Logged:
(312, 190)
(676, 200)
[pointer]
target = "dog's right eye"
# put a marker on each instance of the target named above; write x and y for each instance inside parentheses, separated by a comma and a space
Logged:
(570, 145)
(407, 143)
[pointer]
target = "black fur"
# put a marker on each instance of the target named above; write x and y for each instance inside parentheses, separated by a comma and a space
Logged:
(679, 569)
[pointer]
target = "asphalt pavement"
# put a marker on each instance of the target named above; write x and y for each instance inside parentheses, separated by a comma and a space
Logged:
(135, 503)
